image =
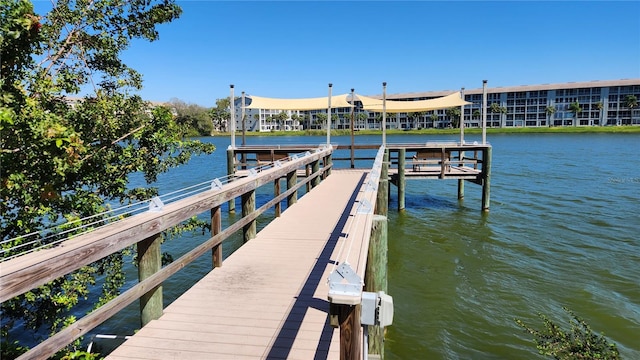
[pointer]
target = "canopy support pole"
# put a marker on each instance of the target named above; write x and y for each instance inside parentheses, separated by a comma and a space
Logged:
(353, 108)
(329, 117)
(244, 126)
(484, 112)
(384, 114)
(232, 125)
(462, 118)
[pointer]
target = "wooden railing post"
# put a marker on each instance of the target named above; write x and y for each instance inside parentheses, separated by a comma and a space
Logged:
(350, 332)
(249, 206)
(315, 167)
(307, 171)
(292, 180)
(150, 262)
(231, 170)
(401, 178)
(375, 278)
(328, 160)
(276, 192)
(216, 227)
(486, 178)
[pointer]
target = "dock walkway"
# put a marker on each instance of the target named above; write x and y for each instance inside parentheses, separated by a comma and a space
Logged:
(269, 299)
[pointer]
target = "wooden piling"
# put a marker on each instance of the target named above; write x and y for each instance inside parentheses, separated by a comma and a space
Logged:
(401, 178)
(150, 262)
(486, 178)
(460, 181)
(216, 227)
(376, 277)
(231, 170)
(249, 206)
(382, 199)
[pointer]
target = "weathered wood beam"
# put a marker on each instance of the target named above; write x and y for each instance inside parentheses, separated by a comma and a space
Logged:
(375, 278)
(149, 263)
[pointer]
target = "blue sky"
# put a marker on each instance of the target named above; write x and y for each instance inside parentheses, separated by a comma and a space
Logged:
(293, 49)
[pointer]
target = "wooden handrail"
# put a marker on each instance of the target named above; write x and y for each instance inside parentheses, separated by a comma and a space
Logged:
(50, 346)
(29, 271)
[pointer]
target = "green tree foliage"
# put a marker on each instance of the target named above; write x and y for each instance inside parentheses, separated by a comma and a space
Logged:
(599, 106)
(280, 119)
(64, 161)
(630, 102)
(433, 117)
(220, 114)
(321, 120)
(197, 119)
(549, 110)
(361, 117)
(575, 109)
(578, 343)
(454, 116)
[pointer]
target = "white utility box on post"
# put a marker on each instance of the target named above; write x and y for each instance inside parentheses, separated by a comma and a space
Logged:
(377, 309)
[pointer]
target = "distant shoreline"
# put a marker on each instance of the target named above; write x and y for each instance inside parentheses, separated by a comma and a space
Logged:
(474, 131)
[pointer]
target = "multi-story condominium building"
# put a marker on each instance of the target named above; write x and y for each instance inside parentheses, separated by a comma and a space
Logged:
(267, 119)
(592, 103)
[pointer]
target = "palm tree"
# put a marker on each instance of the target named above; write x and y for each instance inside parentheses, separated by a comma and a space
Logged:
(280, 119)
(415, 116)
(630, 102)
(433, 117)
(307, 121)
(321, 119)
(269, 119)
(550, 110)
(257, 118)
(496, 108)
(379, 120)
(335, 118)
(575, 109)
(599, 107)
(296, 119)
(362, 116)
(454, 116)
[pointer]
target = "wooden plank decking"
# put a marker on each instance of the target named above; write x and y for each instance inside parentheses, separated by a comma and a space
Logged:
(269, 299)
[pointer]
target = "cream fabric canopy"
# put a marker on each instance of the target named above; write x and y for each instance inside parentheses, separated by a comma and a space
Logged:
(396, 106)
(368, 103)
(337, 101)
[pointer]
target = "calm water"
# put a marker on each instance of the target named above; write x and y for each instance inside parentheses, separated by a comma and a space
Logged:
(563, 230)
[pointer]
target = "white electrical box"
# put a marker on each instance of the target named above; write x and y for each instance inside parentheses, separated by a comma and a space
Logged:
(369, 308)
(376, 309)
(385, 312)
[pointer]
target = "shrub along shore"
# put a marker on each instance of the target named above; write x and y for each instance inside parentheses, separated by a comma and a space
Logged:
(522, 130)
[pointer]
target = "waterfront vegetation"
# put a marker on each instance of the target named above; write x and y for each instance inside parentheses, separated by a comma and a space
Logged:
(580, 342)
(515, 130)
(55, 155)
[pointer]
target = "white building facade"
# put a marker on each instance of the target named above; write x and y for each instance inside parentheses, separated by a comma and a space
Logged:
(601, 103)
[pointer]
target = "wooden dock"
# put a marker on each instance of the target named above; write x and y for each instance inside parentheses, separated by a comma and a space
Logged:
(269, 299)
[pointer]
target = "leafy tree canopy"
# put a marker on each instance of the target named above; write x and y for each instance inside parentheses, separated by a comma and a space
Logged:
(196, 118)
(65, 156)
